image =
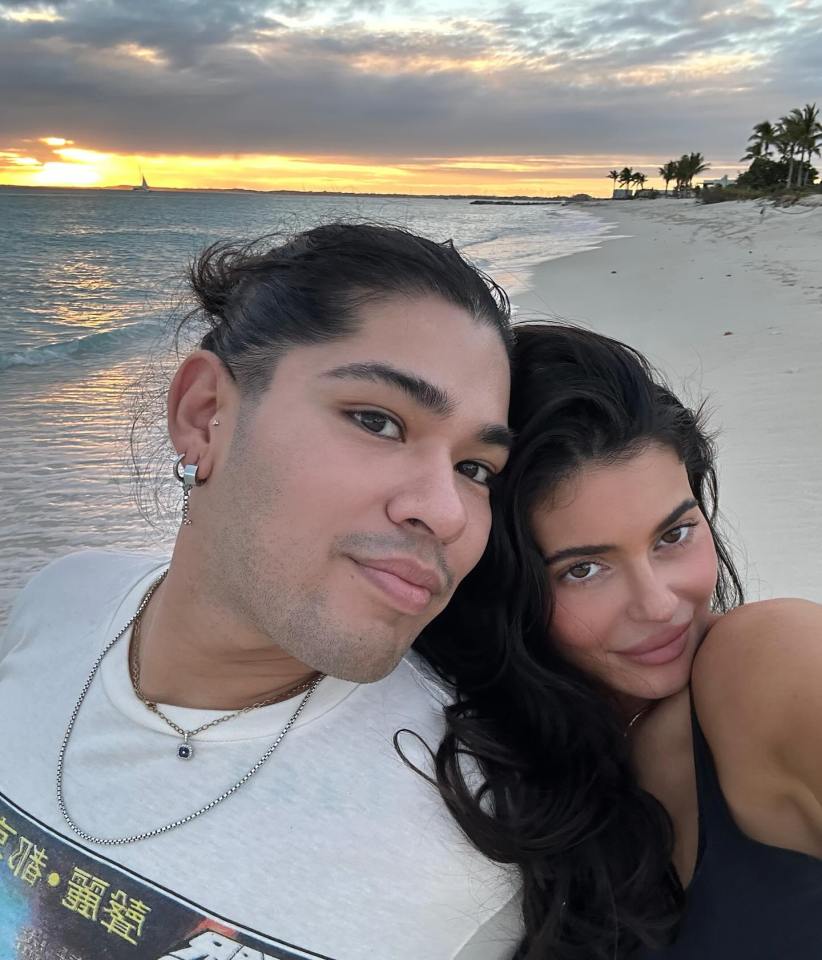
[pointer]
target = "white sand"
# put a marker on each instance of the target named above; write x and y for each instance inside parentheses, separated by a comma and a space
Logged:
(680, 277)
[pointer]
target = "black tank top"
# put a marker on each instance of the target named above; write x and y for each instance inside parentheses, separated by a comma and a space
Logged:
(747, 900)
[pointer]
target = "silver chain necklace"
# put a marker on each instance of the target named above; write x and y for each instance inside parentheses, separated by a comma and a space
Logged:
(118, 841)
(185, 748)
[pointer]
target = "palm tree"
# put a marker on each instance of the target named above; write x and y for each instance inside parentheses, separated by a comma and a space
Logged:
(797, 136)
(668, 173)
(764, 136)
(626, 176)
(791, 130)
(687, 167)
(809, 131)
(696, 165)
(639, 179)
(681, 173)
(614, 175)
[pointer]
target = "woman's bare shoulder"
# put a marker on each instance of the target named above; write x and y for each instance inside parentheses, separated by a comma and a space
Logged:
(757, 685)
(745, 645)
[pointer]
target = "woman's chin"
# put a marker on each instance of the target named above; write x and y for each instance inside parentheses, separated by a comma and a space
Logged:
(654, 683)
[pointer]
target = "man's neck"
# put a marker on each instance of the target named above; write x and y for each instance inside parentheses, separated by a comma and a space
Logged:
(193, 652)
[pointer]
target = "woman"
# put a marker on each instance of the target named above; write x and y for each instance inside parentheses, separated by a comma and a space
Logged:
(636, 768)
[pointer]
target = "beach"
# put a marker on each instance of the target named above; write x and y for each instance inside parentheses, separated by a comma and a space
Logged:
(91, 279)
(726, 300)
(90, 291)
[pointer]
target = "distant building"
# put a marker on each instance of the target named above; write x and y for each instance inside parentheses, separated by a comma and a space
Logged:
(721, 182)
(621, 195)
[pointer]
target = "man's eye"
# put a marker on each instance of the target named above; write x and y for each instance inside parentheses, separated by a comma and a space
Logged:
(380, 424)
(477, 472)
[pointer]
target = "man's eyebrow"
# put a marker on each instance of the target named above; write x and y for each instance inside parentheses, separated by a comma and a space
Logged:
(496, 435)
(426, 394)
(588, 549)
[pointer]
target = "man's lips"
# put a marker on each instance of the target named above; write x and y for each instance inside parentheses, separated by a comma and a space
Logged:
(660, 648)
(407, 583)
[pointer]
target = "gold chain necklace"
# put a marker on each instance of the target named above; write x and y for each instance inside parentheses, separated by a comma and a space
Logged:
(638, 716)
(180, 821)
(185, 749)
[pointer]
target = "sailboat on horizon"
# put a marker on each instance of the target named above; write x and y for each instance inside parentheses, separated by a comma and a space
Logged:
(144, 187)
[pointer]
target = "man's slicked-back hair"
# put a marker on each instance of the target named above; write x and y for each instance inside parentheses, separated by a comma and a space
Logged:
(258, 300)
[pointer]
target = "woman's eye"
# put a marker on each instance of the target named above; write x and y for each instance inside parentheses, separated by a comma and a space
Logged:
(677, 534)
(476, 472)
(380, 424)
(582, 571)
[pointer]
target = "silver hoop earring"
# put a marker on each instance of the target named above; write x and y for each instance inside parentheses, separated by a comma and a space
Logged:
(188, 478)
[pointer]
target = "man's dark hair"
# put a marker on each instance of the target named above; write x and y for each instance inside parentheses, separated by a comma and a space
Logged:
(260, 300)
(254, 301)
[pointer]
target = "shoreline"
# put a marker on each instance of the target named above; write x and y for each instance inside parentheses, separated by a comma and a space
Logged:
(726, 301)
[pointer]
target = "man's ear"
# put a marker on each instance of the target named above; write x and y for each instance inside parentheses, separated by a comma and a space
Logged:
(197, 394)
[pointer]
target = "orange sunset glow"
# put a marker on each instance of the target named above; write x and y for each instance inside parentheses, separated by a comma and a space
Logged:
(61, 162)
(487, 98)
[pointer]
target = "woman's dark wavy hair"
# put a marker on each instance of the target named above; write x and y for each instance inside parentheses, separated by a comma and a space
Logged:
(558, 795)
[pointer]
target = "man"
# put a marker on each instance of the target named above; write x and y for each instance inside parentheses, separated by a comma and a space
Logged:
(221, 737)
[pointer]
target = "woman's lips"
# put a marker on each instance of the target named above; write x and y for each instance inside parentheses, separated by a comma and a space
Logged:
(661, 648)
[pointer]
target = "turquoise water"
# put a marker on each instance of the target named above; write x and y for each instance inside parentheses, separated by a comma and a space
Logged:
(88, 282)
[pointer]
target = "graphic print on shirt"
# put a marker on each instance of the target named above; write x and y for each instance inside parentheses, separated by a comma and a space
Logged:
(60, 901)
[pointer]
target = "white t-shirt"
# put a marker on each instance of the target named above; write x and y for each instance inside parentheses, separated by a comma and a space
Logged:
(335, 848)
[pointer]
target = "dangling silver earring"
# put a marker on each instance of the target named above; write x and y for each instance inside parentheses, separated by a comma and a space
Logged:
(188, 478)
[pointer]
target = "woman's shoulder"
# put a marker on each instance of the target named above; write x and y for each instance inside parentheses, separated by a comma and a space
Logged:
(757, 689)
(755, 660)
(757, 645)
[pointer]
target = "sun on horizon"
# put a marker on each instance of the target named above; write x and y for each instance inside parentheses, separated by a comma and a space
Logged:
(56, 161)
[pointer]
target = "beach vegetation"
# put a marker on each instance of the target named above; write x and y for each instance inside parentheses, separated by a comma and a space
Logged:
(765, 174)
(764, 137)
(723, 194)
(681, 172)
(686, 168)
(668, 173)
(797, 137)
(626, 177)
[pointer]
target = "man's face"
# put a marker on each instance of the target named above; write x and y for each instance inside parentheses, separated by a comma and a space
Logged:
(353, 496)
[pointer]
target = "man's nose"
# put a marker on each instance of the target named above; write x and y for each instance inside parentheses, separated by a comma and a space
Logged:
(433, 498)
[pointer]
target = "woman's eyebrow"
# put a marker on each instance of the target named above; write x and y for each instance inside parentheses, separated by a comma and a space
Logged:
(599, 548)
(676, 513)
(580, 551)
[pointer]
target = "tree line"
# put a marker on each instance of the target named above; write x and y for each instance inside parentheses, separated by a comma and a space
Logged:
(681, 171)
(796, 138)
(780, 155)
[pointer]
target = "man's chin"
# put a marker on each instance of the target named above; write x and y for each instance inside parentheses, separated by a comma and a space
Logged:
(366, 672)
(359, 667)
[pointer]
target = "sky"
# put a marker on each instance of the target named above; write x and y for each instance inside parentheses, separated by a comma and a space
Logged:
(537, 98)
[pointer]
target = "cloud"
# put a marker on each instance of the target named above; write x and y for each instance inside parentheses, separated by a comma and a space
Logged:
(357, 78)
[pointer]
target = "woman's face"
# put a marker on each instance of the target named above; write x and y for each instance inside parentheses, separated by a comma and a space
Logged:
(632, 568)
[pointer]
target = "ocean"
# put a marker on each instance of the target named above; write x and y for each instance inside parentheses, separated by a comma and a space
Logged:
(90, 282)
